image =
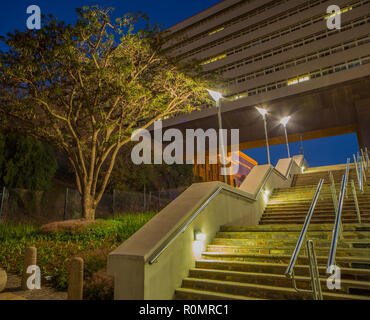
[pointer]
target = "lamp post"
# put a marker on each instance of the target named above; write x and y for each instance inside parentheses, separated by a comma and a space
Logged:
(263, 113)
(217, 96)
(284, 122)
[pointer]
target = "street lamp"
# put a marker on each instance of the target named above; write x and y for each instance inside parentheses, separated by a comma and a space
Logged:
(217, 96)
(263, 113)
(284, 122)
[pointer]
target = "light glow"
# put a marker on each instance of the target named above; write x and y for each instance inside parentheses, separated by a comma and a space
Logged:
(266, 195)
(215, 95)
(201, 237)
(262, 111)
(285, 121)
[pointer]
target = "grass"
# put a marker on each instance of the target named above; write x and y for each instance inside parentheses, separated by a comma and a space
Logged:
(54, 250)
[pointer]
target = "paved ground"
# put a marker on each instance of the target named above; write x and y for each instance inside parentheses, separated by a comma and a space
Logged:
(13, 290)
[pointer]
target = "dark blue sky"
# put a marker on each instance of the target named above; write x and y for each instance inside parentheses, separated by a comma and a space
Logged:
(13, 16)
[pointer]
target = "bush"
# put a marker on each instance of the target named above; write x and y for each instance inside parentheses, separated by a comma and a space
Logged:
(54, 250)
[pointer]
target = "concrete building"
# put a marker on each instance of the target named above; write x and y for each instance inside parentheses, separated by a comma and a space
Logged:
(281, 55)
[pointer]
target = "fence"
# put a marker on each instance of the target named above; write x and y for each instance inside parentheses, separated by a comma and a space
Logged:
(60, 203)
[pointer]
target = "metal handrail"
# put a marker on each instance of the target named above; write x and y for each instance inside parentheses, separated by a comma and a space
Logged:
(337, 230)
(333, 191)
(354, 193)
(363, 165)
(290, 270)
(311, 256)
(156, 255)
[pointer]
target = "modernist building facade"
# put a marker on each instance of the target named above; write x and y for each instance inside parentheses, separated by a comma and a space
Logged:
(281, 55)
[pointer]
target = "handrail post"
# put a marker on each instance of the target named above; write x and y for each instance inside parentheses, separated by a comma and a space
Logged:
(337, 224)
(333, 191)
(357, 174)
(290, 270)
(363, 165)
(314, 271)
(361, 173)
(367, 159)
(356, 201)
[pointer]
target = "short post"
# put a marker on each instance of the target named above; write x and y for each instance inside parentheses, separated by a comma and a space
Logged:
(3, 279)
(76, 279)
(65, 205)
(30, 259)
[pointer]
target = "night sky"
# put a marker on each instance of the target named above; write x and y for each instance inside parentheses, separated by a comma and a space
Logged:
(331, 150)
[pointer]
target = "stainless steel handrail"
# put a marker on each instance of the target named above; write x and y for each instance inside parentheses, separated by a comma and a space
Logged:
(333, 191)
(363, 165)
(290, 270)
(156, 255)
(354, 194)
(337, 224)
(356, 167)
(311, 256)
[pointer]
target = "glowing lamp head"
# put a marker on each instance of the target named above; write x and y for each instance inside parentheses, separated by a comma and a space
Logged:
(285, 121)
(215, 95)
(262, 111)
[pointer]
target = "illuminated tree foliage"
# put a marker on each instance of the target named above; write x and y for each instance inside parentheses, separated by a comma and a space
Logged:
(85, 88)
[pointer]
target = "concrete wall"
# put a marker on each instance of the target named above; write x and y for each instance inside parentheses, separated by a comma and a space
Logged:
(136, 278)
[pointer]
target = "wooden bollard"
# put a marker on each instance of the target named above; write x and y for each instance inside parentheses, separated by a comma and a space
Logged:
(76, 279)
(3, 279)
(30, 259)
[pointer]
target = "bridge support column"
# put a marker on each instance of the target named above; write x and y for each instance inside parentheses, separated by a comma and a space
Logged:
(363, 121)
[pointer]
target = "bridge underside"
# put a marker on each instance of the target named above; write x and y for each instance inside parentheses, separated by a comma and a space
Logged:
(329, 111)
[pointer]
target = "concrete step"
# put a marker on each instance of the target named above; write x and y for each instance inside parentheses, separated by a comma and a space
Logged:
(348, 262)
(296, 221)
(294, 228)
(324, 251)
(251, 243)
(359, 274)
(259, 291)
(280, 280)
(193, 294)
(325, 235)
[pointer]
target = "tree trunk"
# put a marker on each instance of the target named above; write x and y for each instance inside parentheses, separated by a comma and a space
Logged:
(88, 207)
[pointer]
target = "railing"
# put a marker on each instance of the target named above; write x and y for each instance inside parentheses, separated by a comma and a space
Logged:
(354, 194)
(182, 229)
(337, 230)
(315, 281)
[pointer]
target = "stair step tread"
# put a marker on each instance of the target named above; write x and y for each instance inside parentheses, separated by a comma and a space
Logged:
(275, 265)
(236, 254)
(347, 282)
(258, 287)
(219, 295)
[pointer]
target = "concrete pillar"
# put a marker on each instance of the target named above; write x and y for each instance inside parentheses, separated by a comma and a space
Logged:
(3, 279)
(30, 259)
(76, 279)
(363, 121)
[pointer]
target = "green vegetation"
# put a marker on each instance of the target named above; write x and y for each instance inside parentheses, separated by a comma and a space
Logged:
(85, 88)
(54, 250)
(25, 163)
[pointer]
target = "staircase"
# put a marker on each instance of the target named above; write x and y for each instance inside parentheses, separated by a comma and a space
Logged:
(248, 263)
